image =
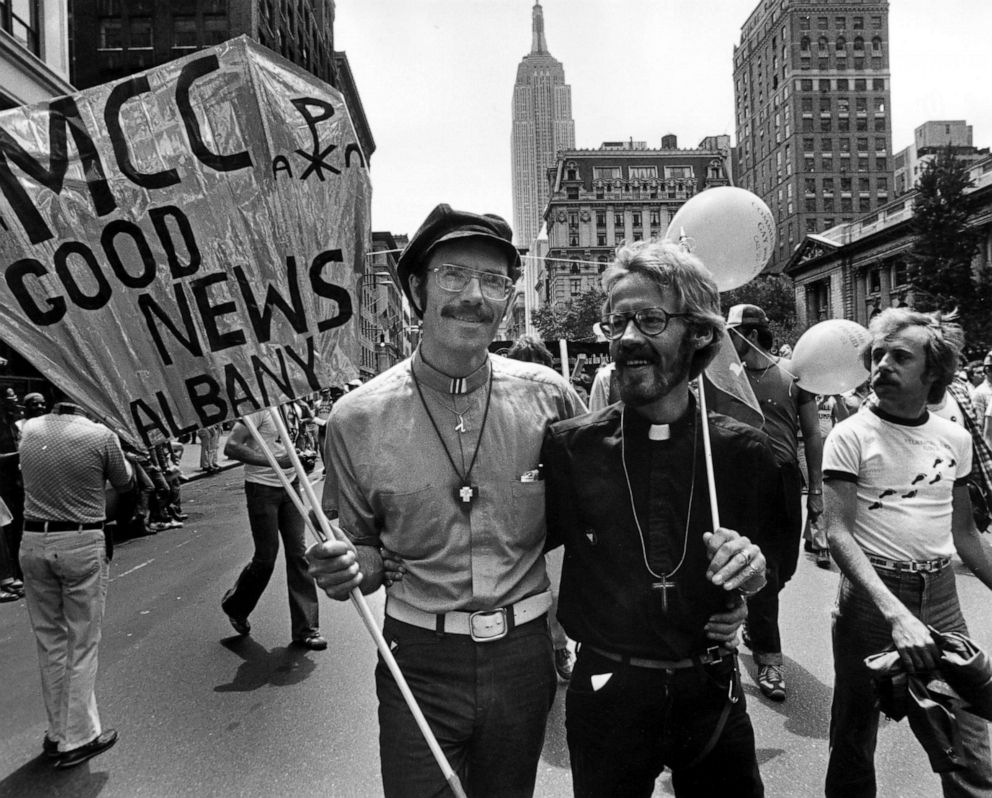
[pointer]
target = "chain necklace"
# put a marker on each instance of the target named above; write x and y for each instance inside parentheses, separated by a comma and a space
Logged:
(465, 493)
(663, 584)
(460, 427)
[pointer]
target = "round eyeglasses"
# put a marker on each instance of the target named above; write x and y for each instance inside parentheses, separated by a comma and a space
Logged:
(650, 321)
(454, 278)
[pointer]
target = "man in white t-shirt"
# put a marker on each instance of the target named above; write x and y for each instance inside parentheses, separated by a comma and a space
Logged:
(271, 515)
(896, 510)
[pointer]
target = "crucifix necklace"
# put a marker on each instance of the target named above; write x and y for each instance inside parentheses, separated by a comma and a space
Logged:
(661, 582)
(465, 493)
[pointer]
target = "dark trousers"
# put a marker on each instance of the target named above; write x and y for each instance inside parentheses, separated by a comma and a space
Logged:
(626, 724)
(859, 630)
(13, 496)
(272, 514)
(782, 557)
(487, 704)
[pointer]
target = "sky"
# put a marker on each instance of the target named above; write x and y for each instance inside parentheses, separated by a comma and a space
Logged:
(436, 82)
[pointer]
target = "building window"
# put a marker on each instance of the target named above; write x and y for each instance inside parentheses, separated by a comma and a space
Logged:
(810, 205)
(821, 23)
(827, 161)
(606, 173)
(184, 33)
(618, 221)
(825, 84)
(842, 84)
(601, 239)
(806, 85)
(575, 286)
(600, 218)
(678, 171)
(643, 172)
(655, 219)
(881, 165)
(860, 84)
(140, 29)
(21, 19)
(110, 35)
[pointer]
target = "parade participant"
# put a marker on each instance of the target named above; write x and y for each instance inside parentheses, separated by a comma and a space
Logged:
(455, 491)
(12, 495)
(271, 515)
(605, 390)
(531, 349)
(787, 409)
(65, 461)
(897, 509)
(644, 568)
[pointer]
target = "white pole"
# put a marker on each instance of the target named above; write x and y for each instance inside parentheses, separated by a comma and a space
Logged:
(324, 533)
(708, 455)
(563, 351)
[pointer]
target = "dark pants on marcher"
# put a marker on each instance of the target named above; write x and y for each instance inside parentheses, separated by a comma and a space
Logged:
(782, 557)
(272, 514)
(626, 724)
(12, 493)
(859, 630)
(487, 704)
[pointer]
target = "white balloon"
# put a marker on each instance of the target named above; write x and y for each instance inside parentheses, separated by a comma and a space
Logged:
(828, 357)
(730, 230)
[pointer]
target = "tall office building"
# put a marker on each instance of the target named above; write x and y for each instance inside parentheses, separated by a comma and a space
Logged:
(542, 125)
(113, 39)
(814, 126)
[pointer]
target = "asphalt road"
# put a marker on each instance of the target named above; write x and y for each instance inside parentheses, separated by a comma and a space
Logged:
(203, 713)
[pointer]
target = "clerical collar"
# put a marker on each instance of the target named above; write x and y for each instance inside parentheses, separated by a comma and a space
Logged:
(443, 383)
(662, 432)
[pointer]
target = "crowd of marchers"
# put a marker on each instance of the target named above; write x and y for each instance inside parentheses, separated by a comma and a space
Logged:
(620, 542)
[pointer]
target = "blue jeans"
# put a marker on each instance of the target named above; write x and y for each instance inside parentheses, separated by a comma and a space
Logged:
(859, 630)
(625, 724)
(65, 586)
(271, 514)
(487, 704)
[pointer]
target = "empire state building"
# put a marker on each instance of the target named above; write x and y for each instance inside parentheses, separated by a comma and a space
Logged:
(542, 125)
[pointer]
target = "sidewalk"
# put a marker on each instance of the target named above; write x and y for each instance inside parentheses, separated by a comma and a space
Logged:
(189, 464)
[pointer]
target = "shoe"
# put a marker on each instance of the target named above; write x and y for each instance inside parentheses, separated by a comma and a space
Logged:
(771, 682)
(157, 526)
(314, 641)
(240, 625)
(180, 516)
(6, 596)
(173, 524)
(563, 663)
(823, 558)
(49, 747)
(95, 746)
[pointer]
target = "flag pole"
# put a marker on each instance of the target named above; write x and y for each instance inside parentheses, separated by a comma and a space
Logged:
(323, 533)
(708, 453)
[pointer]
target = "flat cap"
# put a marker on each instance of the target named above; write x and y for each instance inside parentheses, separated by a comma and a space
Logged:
(446, 224)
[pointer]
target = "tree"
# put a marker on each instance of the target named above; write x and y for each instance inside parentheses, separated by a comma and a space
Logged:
(941, 261)
(574, 320)
(774, 294)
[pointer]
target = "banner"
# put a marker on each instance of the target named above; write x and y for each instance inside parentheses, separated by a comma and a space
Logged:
(182, 247)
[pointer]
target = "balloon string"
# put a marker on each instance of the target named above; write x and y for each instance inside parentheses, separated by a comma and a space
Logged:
(770, 358)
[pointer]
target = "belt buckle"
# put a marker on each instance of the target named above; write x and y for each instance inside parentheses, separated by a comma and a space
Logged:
(488, 625)
(712, 655)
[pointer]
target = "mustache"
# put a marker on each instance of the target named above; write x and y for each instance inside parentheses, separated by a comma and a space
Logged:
(480, 314)
(628, 351)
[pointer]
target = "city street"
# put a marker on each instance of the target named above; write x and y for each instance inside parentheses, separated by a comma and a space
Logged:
(203, 713)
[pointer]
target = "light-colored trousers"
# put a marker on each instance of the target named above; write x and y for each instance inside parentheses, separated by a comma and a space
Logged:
(65, 586)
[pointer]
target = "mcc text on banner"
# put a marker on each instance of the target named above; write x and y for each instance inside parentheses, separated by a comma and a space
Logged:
(182, 247)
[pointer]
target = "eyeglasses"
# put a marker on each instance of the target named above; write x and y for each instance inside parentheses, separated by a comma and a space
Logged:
(650, 321)
(454, 278)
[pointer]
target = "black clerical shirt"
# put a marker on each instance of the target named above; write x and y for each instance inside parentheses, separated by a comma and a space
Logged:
(609, 597)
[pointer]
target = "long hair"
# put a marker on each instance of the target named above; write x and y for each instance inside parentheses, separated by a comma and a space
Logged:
(944, 342)
(669, 266)
(530, 349)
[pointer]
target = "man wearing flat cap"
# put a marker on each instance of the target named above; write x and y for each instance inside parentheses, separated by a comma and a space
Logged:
(438, 461)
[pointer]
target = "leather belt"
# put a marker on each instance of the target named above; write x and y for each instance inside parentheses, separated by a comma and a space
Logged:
(910, 566)
(483, 626)
(710, 656)
(60, 526)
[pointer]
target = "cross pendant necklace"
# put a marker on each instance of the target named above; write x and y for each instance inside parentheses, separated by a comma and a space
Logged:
(465, 493)
(663, 586)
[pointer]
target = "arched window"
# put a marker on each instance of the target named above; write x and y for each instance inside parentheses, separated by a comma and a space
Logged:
(876, 45)
(859, 44)
(804, 43)
(841, 44)
(824, 45)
